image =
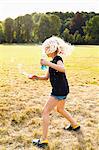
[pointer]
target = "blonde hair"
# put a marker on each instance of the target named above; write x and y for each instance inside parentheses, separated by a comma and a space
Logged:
(55, 43)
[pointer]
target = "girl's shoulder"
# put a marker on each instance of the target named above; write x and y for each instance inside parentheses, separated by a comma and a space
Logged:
(57, 58)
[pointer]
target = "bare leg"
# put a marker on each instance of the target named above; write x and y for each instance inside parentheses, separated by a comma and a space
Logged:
(52, 102)
(66, 114)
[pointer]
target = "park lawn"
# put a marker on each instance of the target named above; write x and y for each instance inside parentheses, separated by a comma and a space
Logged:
(21, 100)
(82, 66)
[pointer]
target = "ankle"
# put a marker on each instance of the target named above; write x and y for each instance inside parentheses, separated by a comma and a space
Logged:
(44, 139)
(75, 125)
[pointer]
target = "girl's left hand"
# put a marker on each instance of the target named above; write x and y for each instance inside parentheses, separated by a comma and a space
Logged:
(44, 62)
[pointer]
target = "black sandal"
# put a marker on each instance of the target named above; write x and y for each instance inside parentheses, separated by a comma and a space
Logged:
(70, 128)
(40, 144)
(76, 128)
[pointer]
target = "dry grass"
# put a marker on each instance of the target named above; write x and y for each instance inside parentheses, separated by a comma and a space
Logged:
(22, 100)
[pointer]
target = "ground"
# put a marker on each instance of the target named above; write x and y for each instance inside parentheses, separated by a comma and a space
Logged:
(22, 100)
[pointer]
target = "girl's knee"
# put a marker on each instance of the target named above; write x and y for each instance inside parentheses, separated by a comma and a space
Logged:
(60, 110)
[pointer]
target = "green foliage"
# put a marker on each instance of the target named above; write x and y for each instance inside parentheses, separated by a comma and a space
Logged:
(19, 29)
(48, 25)
(77, 23)
(76, 28)
(55, 24)
(78, 39)
(43, 28)
(67, 36)
(28, 25)
(36, 21)
(1, 33)
(92, 30)
(23, 28)
(9, 30)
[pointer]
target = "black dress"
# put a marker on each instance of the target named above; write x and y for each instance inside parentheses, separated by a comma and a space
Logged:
(58, 80)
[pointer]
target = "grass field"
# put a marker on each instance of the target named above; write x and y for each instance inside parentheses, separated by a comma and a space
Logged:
(22, 100)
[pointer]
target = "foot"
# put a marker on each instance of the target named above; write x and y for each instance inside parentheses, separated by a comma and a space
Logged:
(74, 128)
(39, 143)
(69, 127)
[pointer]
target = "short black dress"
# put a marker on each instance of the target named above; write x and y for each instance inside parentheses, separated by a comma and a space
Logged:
(58, 80)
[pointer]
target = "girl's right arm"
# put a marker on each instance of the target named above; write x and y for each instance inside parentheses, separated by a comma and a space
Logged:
(46, 77)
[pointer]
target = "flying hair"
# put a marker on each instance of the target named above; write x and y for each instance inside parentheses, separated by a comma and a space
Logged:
(55, 43)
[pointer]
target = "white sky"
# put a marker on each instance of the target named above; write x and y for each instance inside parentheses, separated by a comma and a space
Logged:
(14, 8)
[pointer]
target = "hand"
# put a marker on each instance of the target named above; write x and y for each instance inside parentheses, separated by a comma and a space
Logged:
(44, 62)
(33, 77)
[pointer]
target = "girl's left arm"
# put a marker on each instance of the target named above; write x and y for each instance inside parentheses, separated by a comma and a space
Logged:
(59, 66)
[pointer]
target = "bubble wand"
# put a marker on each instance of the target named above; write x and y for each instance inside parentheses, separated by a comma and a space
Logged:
(23, 72)
(43, 56)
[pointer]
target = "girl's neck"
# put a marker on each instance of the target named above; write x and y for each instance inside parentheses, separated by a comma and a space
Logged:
(54, 55)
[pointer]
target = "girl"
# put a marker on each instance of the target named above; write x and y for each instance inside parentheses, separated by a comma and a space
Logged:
(60, 88)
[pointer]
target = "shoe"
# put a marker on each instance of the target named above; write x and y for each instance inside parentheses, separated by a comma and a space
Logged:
(70, 128)
(39, 143)
(76, 128)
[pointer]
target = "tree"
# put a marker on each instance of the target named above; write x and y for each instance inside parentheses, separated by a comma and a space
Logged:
(61, 15)
(49, 25)
(36, 21)
(19, 29)
(91, 30)
(1, 33)
(55, 24)
(28, 27)
(67, 36)
(81, 28)
(78, 39)
(9, 30)
(88, 39)
(65, 19)
(43, 28)
(77, 23)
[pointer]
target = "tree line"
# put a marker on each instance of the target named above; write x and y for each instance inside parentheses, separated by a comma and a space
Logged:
(76, 28)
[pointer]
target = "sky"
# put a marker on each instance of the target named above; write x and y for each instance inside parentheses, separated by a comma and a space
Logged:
(14, 8)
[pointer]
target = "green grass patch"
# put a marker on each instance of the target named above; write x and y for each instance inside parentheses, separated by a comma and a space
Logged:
(82, 66)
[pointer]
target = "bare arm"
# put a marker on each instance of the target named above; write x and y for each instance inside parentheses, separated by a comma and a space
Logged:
(43, 77)
(40, 77)
(59, 66)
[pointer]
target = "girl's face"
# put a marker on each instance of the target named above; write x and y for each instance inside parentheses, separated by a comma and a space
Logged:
(49, 55)
(52, 55)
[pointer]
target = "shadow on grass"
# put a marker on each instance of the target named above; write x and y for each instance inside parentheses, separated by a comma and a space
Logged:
(81, 139)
